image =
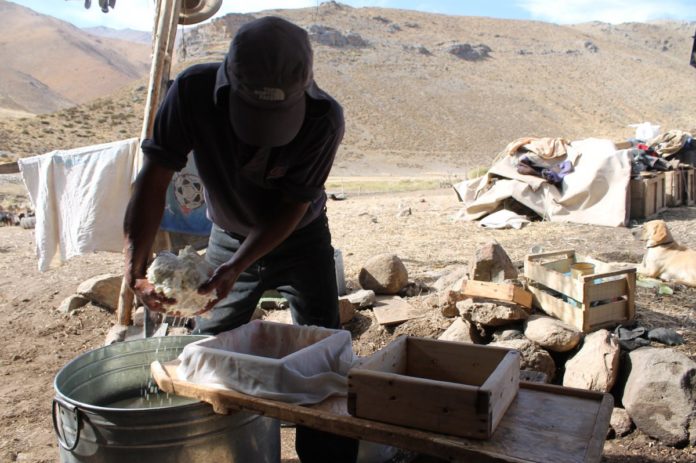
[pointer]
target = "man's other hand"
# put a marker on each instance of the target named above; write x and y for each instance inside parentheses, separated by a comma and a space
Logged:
(219, 284)
(150, 297)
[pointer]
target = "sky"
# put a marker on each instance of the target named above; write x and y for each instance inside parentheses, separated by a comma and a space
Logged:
(138, 14)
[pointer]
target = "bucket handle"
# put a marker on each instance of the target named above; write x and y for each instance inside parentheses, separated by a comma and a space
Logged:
(57, 403)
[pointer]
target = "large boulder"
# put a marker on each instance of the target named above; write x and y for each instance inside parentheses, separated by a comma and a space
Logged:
(596, 365)
(491, 263)
(383, 274)
(660, 395)
(102, 290)
(533, 357)
(551, 333)
(491, 314)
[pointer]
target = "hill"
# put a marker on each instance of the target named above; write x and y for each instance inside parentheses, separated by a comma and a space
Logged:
(128, 35)
(49, 64)
(425, 92)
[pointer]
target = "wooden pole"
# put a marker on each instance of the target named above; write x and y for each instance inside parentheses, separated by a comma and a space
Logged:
(167, 18)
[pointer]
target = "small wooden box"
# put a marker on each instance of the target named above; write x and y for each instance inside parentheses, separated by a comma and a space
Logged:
(647, 195)
(440, 386)
(590, 302)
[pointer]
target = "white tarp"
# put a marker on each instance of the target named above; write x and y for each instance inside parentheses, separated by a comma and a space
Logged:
(594, 193)
(288, 363)
(80, 198)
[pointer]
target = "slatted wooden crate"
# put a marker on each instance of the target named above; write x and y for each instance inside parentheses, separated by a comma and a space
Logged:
(440, 386)
(590, 302)
(647, 195)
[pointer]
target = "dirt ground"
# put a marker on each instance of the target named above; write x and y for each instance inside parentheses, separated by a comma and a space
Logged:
(37, 340)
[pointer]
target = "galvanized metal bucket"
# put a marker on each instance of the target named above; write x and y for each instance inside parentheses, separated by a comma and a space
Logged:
(91, 429)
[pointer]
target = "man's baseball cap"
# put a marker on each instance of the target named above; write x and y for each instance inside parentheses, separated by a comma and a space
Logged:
(269, 66)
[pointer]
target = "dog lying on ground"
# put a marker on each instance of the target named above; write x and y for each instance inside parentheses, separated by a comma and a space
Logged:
(665, 258)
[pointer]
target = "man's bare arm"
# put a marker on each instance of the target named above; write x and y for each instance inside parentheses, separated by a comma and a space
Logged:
(143, 217)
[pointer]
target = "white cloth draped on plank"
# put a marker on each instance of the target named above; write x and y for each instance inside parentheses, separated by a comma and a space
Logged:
(80, 198)
(594, 193)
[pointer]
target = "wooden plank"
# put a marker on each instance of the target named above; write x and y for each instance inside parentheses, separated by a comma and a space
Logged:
(690, 187)
(543, 424)
(674, 188)
(437, 406)
(557, 307)
(9, 168)
(497, 291)
(605, 290)
(390, 310)
(503, 384)
(606, 314)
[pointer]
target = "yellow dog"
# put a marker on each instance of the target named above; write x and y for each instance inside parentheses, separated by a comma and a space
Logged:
(665, 258)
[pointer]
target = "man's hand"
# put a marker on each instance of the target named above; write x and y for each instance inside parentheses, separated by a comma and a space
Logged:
(219, 284)
(150, 297)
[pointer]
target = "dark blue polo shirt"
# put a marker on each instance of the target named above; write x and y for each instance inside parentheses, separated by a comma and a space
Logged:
(242, 182)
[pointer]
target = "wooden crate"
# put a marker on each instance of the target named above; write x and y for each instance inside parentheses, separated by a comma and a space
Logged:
(647, 195)
(440, 386)
(590, 302)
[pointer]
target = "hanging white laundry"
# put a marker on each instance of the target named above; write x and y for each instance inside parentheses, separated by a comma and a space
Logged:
(80, 198)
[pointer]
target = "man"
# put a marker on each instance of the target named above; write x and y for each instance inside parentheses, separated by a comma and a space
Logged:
(263, 137)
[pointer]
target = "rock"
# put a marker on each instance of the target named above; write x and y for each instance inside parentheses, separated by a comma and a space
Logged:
(329, 36)
(533, 356)
(660, 395)
(491, 314)
(450, 278)
(507, 334)
(362, 299)
(139, 317)
(279, 316)
(447, 302)
(470, 52)
(461, 331)
(102, 290)
(533, 376)
(590, 46)
(665, 336)
(620, 422)
(491, 263)
(178, 331)
(116, 333)
(551, 333)
(596, 366)
(273, 303)
(346, 310)
(384, 274)
(71, 303)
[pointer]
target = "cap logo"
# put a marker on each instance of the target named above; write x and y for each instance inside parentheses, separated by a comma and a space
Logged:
(270, 94)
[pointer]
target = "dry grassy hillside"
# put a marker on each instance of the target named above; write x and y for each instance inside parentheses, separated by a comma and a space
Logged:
(413, 107)
(49, 64)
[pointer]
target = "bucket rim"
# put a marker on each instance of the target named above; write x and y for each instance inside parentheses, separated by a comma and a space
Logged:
(97, 408)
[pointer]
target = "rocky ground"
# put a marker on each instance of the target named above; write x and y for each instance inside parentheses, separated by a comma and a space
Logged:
(40, 340)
